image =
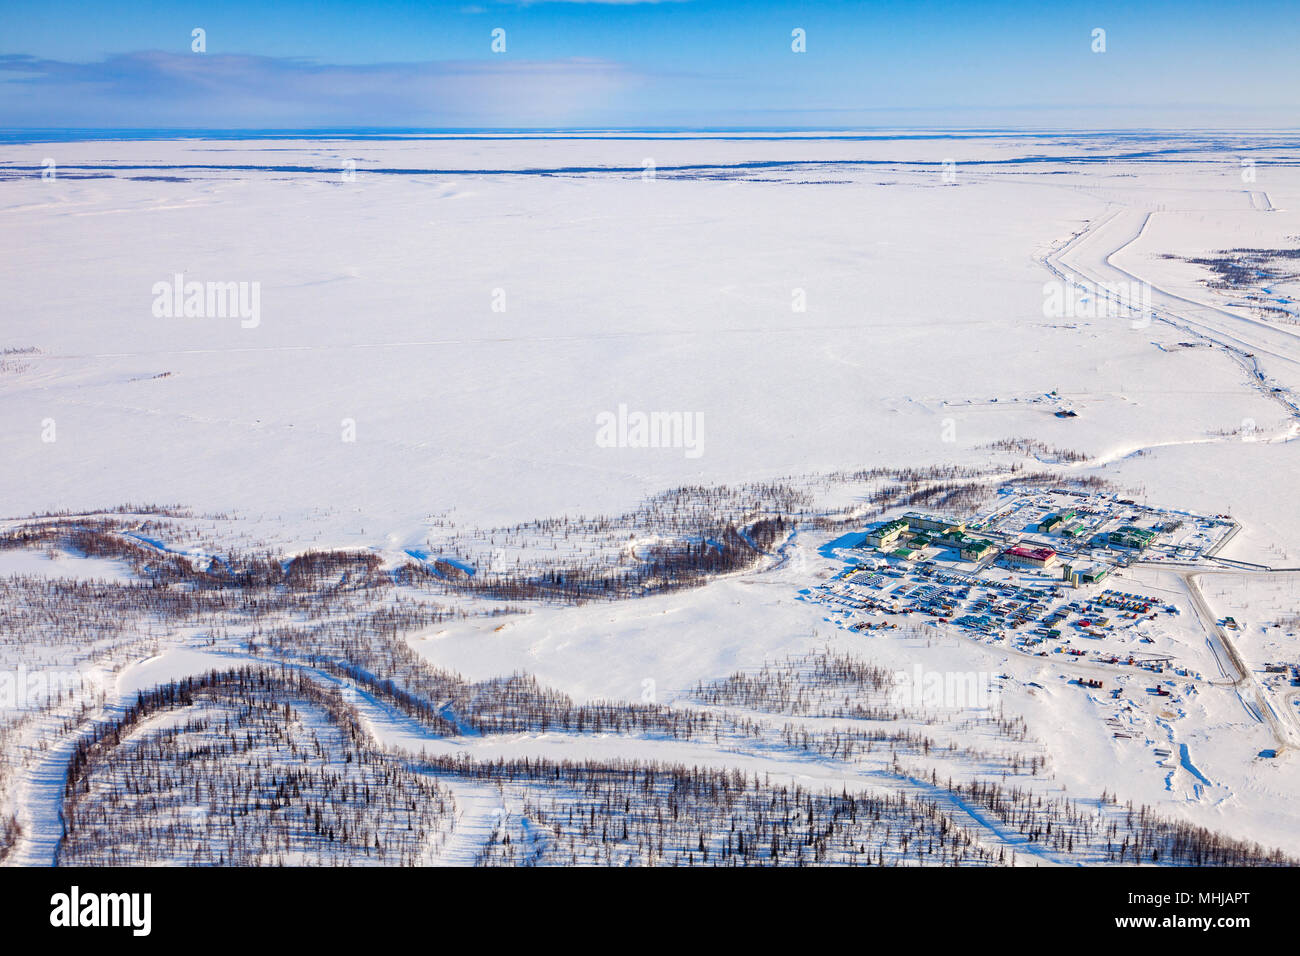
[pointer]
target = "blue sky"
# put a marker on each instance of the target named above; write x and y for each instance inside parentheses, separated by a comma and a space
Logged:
(711, 63)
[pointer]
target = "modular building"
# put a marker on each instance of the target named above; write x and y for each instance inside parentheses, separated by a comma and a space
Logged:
(1080, 575)
(976, 548)
(1132, 537)
(887, 534)
(952, 539)
(1026, 557)
(1053, 521)
(1073, 529)
(1058, 522)
(920, 522)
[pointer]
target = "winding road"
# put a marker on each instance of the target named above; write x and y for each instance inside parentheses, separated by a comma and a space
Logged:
(1087, 259)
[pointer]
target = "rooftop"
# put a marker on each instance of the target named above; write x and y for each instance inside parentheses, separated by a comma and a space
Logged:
(1041, 554)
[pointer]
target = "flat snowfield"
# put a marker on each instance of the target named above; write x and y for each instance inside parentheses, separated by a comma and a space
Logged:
(441, 323)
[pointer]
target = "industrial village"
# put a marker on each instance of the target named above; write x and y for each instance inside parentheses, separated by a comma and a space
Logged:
(1044, 573)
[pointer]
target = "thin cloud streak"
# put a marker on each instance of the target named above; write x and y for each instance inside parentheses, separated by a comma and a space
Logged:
(158, 88)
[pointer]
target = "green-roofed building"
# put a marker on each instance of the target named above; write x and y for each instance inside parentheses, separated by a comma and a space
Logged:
(887, 534)
(1131, 537)
(976, 548)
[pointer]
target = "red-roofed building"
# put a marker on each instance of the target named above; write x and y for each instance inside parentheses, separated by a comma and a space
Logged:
(1023, 557)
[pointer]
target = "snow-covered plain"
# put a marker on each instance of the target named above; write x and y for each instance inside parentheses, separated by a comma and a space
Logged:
(924, 302)
(465, 309)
